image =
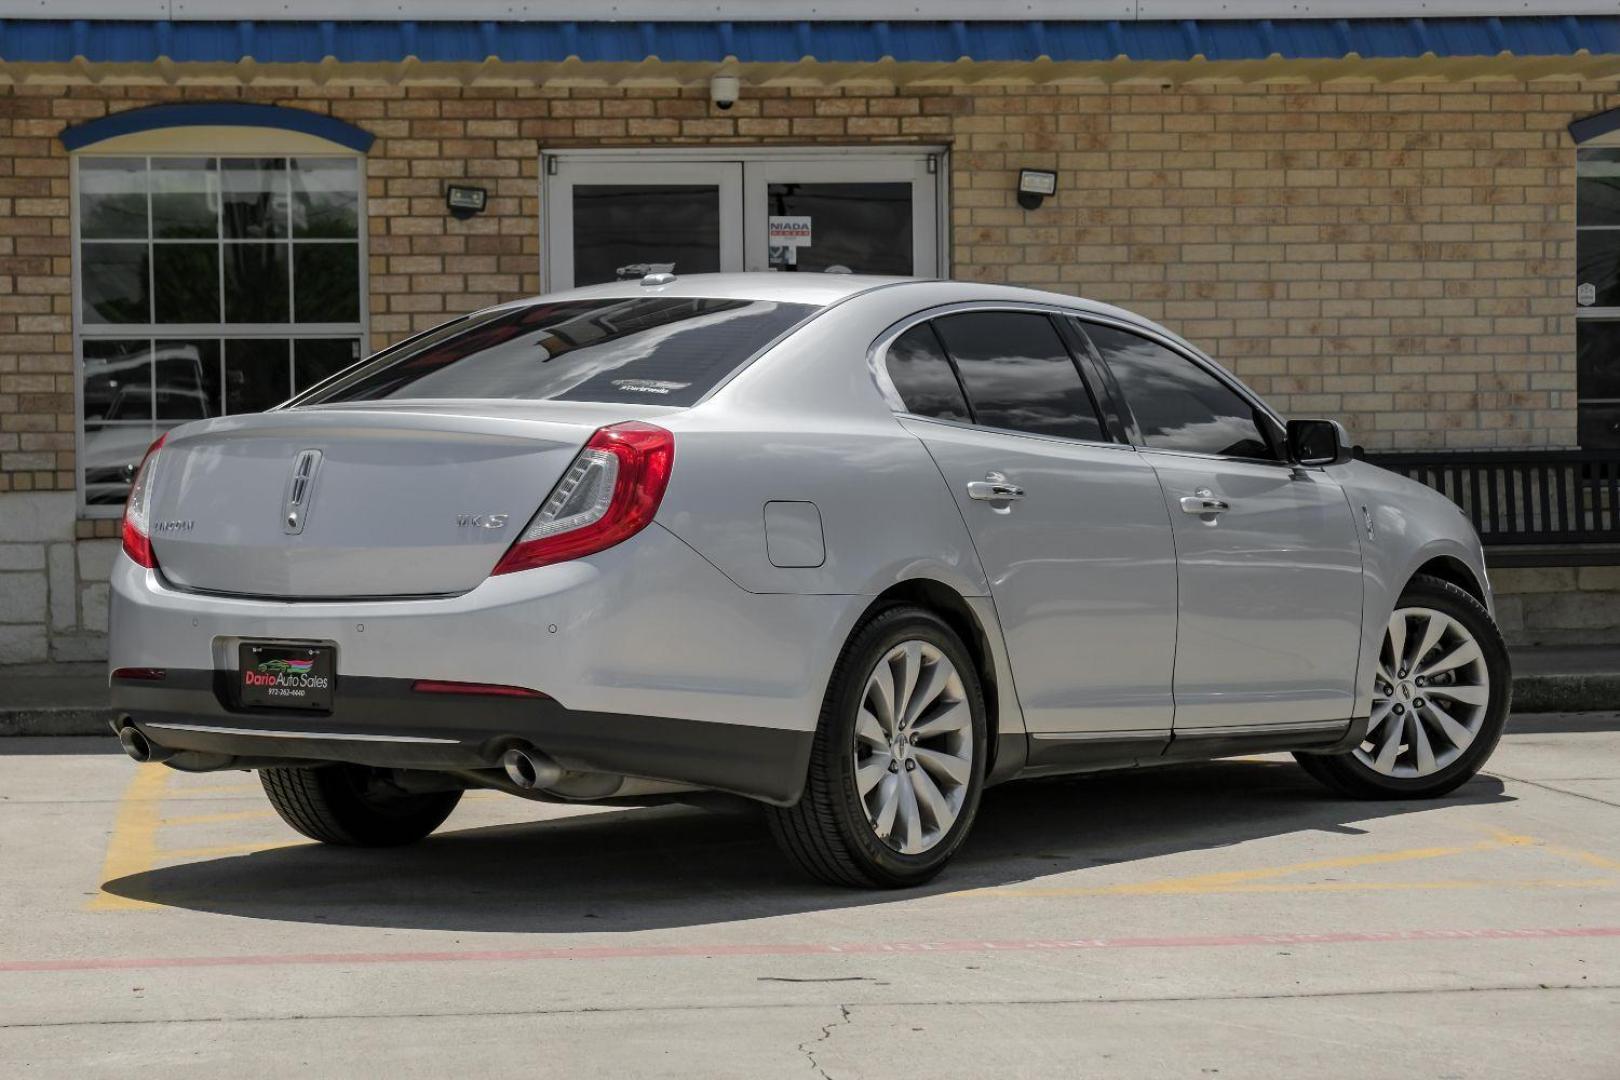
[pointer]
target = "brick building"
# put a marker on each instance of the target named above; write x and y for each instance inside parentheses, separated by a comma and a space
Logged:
(1410, 224)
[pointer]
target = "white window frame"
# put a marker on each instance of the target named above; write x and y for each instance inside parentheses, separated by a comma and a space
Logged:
(744, 174)
(1609, 141)
(82, 331)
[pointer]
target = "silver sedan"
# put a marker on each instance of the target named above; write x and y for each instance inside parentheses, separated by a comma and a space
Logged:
(855, 548)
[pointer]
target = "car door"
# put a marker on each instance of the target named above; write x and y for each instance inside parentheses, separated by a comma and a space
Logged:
(1268, 561)
(1069, 526)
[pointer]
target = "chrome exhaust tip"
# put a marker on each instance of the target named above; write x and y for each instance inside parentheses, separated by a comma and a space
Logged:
(134, 743)
(530, 769)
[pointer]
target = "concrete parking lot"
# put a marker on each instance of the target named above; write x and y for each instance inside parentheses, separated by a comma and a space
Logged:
(1225, 920)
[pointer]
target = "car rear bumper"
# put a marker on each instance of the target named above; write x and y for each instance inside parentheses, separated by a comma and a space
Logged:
(384, 722)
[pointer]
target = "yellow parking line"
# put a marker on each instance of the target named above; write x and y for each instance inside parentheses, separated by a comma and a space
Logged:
(132, 846)
(187, 790)
(217, 819)
(216, 850)
(1245, 880)
(1157, 888)
(1586, 858)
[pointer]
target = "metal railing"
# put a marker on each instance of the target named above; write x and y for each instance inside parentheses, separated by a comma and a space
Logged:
(1532, 507)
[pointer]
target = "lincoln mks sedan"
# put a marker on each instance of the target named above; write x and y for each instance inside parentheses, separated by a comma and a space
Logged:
(853, 548)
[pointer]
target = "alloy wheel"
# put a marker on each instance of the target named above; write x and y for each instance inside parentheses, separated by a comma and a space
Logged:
(913, 747)
(1430, 695)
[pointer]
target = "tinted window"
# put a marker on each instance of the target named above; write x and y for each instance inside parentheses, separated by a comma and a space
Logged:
(919, 370)
(657, 350)
(1018, 374)
(1179, 405)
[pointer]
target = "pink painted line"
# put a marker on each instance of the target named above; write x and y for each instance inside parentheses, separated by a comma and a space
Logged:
(861, 948)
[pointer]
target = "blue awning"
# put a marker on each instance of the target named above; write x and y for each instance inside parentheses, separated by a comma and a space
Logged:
(136, 41)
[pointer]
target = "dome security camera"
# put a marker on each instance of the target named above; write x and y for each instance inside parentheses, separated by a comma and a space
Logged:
(723, 90)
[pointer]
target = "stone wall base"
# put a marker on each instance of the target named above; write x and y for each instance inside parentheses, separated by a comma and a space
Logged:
(53, 585)
(1558, 605)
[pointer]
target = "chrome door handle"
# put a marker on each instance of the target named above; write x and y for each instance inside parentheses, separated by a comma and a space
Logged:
(1203, 503)
(994, 491)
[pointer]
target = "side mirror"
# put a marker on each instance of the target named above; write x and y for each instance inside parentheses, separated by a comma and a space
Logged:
(1317, 442)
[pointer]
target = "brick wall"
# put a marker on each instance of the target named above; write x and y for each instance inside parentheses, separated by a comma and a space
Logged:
(1400, 256)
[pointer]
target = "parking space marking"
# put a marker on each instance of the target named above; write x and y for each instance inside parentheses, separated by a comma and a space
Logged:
(219, 851)
(1563, 851)
(1263, 879)
(854, 948)
(217, 819)
(133, 849)
(132, 845)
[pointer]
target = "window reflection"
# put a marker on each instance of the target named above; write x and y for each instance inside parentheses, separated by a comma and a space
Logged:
(242, 247)
(864, 228)
(1597, 297)
(1178, 405)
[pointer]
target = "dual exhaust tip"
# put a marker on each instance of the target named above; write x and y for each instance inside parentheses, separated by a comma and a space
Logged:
(139, 747)
(530, 769)
(526, 768)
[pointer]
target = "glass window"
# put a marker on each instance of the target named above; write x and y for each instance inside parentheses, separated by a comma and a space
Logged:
(325, 198)
(1597, 297)
(653, 350)
(1178, 405)
(185, 198)
(315, 359)
(112, 198)
(920, 371)
(613, 224)
(116, 286)
(861, 228)
(185, 283)
(208, 285)
(1018, 374)
(1597, 364)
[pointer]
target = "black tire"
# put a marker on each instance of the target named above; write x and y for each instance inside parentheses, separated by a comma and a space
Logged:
(827, 833)
(1348, 775)
(354, 806)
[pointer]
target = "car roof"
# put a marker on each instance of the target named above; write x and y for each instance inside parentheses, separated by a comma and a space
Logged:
(817, 289)
(821, 289)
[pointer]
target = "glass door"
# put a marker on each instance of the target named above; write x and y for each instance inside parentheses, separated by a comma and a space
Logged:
(620, 220)
(618, 215)
(850, 214)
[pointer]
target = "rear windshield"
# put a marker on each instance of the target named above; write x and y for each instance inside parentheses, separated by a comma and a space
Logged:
(657, 350)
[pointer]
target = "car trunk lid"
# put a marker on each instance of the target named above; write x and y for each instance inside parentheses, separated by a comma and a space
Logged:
(364, 500)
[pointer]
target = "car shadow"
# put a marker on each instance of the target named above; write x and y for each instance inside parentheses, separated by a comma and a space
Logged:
(675, 866)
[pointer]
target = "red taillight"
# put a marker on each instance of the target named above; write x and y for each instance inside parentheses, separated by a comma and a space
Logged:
(609, 493)
(437, 686)
(138, 507)
(142, 674)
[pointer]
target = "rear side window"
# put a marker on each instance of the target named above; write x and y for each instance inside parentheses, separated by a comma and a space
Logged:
(1178, 405)
(657, 350)
(921, 373)
(1018, 373)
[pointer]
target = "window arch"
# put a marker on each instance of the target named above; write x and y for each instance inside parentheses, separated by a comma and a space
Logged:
(219, 268)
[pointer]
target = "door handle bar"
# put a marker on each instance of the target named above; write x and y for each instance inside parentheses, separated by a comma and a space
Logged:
(1203, 504)
(993, 491)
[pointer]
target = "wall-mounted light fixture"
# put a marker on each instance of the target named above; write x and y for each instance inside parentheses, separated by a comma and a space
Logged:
(1035, 185)
(463, 202)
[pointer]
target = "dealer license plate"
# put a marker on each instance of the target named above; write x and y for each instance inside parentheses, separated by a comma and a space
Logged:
(287, 676)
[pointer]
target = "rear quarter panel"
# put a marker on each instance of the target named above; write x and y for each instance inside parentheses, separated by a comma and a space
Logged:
(806, 423)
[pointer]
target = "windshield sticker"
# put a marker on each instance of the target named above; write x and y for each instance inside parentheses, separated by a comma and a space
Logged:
(648, 386)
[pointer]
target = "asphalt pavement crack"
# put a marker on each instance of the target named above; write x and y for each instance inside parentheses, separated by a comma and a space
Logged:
(807, 1047)
(1555, 790)
(630, 1010)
